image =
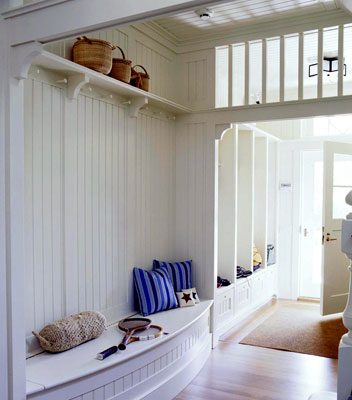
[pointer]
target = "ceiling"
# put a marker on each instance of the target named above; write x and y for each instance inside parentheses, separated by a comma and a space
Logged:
(229, 16)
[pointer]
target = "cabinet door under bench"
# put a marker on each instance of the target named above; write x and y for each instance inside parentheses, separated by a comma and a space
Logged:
(243, 294)
(224, 305)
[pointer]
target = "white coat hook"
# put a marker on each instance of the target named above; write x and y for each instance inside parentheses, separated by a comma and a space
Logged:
(107, 97)
(157, 113)
(171, 118)
(90, 89)
(127, 103)
(38, 71)
(62, 81)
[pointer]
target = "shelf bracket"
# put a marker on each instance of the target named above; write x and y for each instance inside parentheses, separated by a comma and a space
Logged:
(220, 129)
(74, 85)
(136, 104)
(22, 57)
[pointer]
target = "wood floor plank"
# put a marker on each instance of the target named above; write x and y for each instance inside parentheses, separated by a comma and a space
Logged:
(235, 371)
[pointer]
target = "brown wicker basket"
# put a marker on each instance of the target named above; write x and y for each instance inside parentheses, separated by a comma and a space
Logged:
(94, 54)
(140, 80)
(121, 68)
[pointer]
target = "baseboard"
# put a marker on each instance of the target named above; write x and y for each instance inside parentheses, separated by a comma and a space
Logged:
(309, 300)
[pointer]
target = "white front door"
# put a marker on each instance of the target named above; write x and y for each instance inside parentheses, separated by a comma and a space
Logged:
(337, 183)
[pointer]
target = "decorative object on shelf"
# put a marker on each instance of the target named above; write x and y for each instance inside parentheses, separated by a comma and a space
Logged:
(180, 273)
(257, 258)
(330, 65)
(243, 273)
(140, 80)
(194, 294)
(223, 282)
(154, 291)
(270, 254)
(121, 68)
(94, 54)
(72, 331)
(185, 298)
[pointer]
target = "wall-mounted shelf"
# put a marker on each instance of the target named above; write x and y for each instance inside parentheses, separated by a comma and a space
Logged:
(74, 73)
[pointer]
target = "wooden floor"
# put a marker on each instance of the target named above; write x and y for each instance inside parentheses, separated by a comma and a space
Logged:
(235, 371)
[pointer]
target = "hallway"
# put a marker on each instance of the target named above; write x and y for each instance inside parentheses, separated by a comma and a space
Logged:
(242, 372)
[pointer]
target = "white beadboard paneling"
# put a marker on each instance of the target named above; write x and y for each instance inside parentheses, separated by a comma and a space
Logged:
(195, 177)
(43, 206)
(195, 74)
(92, 173)
(159, 68)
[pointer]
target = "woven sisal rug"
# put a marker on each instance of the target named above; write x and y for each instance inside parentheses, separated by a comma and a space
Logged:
(300, 330)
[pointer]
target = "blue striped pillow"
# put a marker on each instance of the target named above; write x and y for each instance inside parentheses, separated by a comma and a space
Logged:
(154, 291)
(180, 273)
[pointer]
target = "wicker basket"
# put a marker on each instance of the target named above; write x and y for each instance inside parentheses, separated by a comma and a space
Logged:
(94, 54)
(121, 68)
(140, 79)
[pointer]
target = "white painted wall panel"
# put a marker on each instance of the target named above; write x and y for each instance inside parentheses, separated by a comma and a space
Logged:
(195, 74)
(195, 182)
(43, 206)
(92, 174)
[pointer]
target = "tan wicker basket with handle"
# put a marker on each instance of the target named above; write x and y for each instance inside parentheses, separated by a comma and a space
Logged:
(94, 54)
(121, 68)
(140, 80)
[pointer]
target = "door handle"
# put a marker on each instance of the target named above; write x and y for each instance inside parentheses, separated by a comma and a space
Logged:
(305, 232)
(329, 239)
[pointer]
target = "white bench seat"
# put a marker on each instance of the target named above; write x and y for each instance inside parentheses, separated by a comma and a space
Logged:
(49, 373)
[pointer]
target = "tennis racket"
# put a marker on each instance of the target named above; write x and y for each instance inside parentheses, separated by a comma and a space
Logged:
(131, 326)
(153, 332)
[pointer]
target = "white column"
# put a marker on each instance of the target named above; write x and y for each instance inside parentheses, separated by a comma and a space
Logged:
(14, 203)
(13, 273)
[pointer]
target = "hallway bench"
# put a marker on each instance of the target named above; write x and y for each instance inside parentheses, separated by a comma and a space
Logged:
(158, 368)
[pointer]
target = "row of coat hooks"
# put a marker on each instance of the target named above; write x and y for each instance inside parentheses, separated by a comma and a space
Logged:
(125, 103)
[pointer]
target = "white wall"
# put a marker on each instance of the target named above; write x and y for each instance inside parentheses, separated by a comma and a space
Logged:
(289, 129)
(4, 361)
(195, 74)
(227, 204)
(195, 216)
(99, 200)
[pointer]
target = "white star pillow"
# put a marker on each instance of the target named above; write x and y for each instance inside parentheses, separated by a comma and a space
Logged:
(185, 298)
(194, 294)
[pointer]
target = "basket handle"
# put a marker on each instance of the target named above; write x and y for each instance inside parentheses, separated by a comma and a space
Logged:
(123, 54)
(138, 65)
(85, 39)
(41, 339)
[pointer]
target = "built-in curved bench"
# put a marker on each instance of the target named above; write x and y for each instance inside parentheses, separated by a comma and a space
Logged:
(155, 369)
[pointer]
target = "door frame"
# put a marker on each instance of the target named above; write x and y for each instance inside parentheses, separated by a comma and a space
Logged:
(298, 146)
